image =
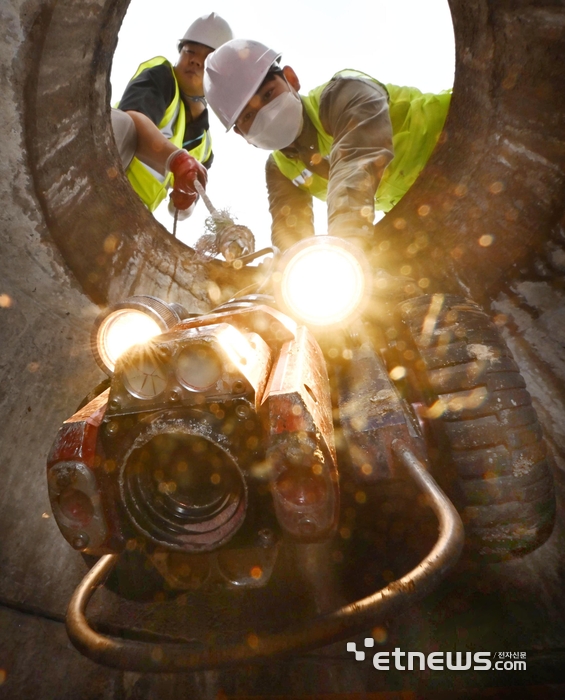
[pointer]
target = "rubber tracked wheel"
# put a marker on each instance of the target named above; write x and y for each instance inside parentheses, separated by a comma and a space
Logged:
(498, 475)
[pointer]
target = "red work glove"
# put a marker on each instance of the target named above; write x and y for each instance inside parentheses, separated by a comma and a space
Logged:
(186, 170)
(182, 200)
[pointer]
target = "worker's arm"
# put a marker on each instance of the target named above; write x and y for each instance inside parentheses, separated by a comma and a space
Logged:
(145, 100)
(153, 148)
(291, 208)
(355, 112)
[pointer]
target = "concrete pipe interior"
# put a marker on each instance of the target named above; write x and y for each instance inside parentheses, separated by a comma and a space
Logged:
(73, 234)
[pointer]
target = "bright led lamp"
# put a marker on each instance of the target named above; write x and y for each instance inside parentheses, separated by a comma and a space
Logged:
(120, 331)
(323, 281)
(132, 322)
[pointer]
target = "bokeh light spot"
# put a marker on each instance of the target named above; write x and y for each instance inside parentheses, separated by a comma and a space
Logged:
(397, 373)
(380, 635)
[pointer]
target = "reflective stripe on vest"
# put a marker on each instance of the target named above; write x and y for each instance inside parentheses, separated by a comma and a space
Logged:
(150, 185)
(417, 120)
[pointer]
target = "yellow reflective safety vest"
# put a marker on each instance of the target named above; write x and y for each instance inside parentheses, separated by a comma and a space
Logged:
(150, 185)
(417, 121)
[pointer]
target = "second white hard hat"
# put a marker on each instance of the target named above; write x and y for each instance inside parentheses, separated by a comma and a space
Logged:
(210, 30)
(233, 74)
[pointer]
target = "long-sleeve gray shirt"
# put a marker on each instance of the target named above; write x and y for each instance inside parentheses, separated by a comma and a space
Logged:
(354, 111)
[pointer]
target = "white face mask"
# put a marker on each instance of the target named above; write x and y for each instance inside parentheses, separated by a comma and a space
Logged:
(278, 123)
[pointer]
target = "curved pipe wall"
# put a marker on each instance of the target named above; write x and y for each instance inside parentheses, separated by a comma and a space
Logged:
(73, 233)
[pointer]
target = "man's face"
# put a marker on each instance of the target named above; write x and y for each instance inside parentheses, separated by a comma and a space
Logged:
(189, 68)
(266, 93)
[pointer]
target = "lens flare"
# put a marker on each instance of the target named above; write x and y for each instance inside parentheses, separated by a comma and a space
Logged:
(323, 284)
(120, 331)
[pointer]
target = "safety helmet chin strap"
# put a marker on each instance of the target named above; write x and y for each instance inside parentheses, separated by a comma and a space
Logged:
(195, 98)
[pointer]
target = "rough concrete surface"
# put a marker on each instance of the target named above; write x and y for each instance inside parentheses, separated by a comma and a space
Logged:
(73, 235)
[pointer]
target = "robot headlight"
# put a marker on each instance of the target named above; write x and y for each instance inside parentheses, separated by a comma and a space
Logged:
(323, 281)
(131, 322)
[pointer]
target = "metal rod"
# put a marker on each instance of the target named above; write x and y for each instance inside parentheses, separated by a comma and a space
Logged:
(250, 257)
(202, 192)
(339, 625)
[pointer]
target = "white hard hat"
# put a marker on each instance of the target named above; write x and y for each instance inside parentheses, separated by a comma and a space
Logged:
(233, 74)
(210, 30)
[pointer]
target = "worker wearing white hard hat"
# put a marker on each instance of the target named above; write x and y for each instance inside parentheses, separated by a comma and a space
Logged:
(161, 124)
(353, 141)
